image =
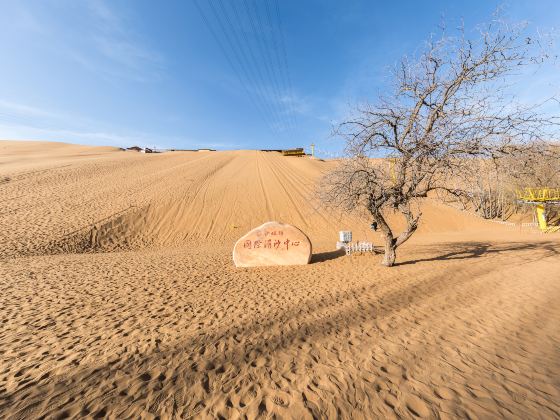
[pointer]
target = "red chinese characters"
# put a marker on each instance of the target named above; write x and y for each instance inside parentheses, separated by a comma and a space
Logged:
(272, 244)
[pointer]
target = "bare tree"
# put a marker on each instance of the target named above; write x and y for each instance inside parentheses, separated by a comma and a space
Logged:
(448, 110)
(492, 193)
(535, 170)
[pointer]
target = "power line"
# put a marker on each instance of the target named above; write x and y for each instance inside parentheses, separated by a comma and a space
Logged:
(278, 64)
(239, 53)
(266, 89)
(256, 75)
(285, 57)
(279, 82)
(265, 82)
(251, 96)
(263, 40)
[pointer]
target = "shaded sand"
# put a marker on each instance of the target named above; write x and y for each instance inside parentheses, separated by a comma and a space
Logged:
(118, 297)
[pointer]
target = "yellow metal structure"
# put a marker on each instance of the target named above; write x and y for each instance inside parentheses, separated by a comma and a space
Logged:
(541, 197)
(293, 152)
(541, 217)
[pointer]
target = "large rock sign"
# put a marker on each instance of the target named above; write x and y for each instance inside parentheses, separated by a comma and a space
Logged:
(273, 243)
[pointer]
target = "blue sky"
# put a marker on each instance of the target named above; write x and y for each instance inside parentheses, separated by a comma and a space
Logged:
(154, 74)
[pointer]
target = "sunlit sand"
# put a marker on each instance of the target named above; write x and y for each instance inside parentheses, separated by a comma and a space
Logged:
(119, 297)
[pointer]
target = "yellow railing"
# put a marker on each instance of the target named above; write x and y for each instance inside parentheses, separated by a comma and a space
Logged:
(294, 152)
(539, 194)
(541, 197)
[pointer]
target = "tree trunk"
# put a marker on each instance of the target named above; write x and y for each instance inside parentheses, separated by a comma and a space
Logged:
(392, 243)
(390, 252)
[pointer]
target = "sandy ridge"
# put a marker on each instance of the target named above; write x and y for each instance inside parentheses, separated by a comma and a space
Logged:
(145, 315)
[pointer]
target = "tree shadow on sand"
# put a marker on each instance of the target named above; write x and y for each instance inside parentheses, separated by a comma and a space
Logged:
(229, 347)
(263, 337)
(468, 250)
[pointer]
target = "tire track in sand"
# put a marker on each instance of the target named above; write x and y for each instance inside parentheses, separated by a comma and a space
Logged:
(295, 205)
(269, 208)
(205, 183)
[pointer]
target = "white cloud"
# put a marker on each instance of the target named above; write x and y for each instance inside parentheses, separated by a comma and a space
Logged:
(104, 14)
(27, 132)
(94, 34)
(14, 131)
(26, 110)
(24, 122)
(295, 103)
(115, 41)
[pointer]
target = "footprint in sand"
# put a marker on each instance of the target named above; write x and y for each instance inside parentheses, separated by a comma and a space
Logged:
(391, 401)
(417, 407)
(245, 398)
(281, 400)
(199, 406)
(444, 393)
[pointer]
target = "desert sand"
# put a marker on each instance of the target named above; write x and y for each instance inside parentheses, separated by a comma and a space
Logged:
(119, 298)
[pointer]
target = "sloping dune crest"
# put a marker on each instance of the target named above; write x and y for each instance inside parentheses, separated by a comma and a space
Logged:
(88, 199)
(119, 298)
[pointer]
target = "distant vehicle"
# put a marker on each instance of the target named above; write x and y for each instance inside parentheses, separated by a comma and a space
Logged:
(294, 152)
(135, 149)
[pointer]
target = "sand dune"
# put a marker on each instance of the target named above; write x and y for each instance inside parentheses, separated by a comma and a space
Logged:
(110, 200)
(118, 298)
